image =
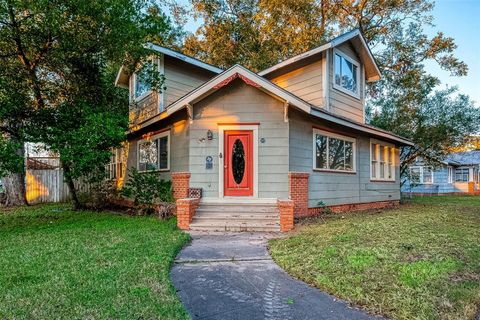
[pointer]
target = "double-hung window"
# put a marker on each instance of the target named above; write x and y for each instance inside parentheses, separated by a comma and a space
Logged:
(115, 167)
(427, 175)
(333, 152)
(450, 174)
(421, 175)
(382, 162)
(154, 153)
(347, 74)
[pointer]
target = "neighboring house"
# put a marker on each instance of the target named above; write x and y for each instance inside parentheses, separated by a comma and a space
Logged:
(260, 145)
(458, 173)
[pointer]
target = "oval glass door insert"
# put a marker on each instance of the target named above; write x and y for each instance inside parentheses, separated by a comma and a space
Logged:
(238, 161)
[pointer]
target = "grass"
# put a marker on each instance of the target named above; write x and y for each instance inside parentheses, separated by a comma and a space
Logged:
(61, 264)
(421, 261)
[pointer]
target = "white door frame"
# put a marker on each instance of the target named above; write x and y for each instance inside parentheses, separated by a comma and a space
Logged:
(221, 149)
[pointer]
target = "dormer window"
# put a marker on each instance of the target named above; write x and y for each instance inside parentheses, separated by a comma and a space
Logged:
(346, 74)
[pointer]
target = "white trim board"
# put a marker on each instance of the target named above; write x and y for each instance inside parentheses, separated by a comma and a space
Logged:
(221, 148)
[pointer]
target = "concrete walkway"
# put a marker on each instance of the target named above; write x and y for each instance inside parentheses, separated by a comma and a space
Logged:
(231, 276)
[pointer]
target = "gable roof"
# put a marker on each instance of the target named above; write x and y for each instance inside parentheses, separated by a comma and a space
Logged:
(253, 79)
(372, 73)
(122, 77)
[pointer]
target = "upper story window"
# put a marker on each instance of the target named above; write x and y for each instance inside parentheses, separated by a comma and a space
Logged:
(148, 78)
(154, 153)
(333, 152)
(382, 166)
(142, 86)
(347, 74)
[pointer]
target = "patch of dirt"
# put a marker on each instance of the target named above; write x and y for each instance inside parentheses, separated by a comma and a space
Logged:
(464, 276)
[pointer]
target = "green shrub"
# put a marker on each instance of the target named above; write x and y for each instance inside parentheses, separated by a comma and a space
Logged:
(147, 189)
(99, 195)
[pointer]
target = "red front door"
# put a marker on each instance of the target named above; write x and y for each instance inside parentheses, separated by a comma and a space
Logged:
(238, 164)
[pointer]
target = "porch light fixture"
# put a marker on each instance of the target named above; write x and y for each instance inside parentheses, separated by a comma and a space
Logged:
(209, 135)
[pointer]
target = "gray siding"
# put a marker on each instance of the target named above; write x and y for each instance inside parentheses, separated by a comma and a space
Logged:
(239, 103)
(305, 82)
(336, 188)
(341, 103)
(179, 137)
(181, 78)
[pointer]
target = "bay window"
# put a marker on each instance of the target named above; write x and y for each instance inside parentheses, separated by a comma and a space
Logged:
(382, 162)
(154, 153)
(333, 152)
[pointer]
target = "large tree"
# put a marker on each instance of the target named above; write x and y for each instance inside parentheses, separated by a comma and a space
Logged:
(55, 80)
(260, 33)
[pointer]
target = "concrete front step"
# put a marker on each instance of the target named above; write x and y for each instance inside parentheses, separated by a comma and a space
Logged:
(234, 227)
(237, 215)
(236, 219)
(237, 211)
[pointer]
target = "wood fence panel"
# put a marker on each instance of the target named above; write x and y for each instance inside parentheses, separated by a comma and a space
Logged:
(48, 186)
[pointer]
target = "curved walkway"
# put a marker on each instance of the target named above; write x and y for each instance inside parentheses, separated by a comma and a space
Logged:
(231, 276)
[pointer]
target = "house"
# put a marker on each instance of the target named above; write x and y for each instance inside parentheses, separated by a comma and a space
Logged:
(458, 173)
(264, 147)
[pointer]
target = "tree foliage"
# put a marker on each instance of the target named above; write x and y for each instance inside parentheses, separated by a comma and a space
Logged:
(260, 33)
(56, 74)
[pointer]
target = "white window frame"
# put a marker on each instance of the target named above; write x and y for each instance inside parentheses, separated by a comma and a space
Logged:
(335, 136)
(450, 174)
(463, 169)
(152, 138)
(359, 80)
(392, 155)
(161, 69)
(421, 173)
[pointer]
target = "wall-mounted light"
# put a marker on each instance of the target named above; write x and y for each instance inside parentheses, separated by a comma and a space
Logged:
(209, 135)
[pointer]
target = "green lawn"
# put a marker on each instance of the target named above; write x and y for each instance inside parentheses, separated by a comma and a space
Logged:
(57, 263)
(421, 261)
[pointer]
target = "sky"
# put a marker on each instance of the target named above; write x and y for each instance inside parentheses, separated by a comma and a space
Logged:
(459, 19)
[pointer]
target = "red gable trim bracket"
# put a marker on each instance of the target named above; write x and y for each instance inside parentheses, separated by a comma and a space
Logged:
(233, 77)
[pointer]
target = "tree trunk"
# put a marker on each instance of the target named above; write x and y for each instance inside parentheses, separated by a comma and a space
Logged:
(15, 190)
(15, 185)
(71, 187)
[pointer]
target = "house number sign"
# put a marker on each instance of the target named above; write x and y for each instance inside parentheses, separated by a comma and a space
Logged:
(209, 162)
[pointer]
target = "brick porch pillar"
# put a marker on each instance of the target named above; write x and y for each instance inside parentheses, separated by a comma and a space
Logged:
(298, 192)
(185, 211)
(285, 207)
(180, 184)
(471, 187)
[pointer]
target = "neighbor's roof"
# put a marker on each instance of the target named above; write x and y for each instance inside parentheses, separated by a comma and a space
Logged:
(372, 73)
(465, 158)
(122, 76)
(253, 79)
